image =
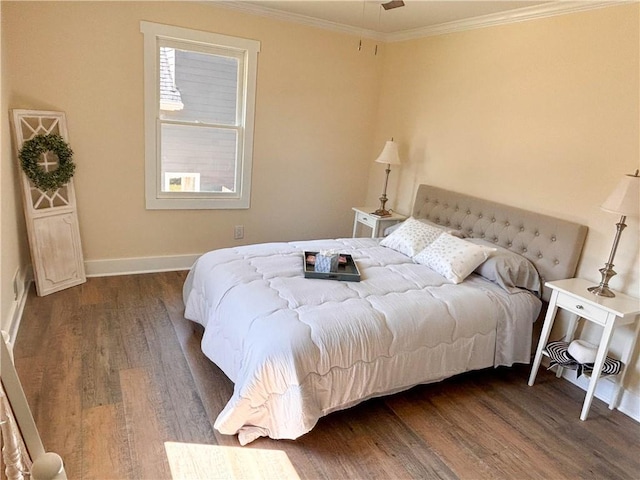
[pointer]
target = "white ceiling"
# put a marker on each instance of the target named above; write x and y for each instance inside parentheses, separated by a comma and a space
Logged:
(417, 18)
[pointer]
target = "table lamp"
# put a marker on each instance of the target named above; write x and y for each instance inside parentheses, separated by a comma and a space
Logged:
(389, 155)
(625, 201)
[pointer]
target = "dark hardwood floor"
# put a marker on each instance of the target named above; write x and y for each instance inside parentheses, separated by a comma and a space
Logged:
(112, 370)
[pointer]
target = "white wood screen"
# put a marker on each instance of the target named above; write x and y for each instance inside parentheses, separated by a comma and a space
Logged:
(51, 217)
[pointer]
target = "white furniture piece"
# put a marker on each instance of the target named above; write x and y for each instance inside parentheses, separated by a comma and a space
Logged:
(572, 295)
(51, 217)
(23, 454)
(377, 224)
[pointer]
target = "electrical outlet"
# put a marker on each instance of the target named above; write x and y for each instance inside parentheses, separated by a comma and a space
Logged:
(238, 232)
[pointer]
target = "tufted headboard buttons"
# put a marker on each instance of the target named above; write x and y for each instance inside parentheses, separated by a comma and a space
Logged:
(552, 244)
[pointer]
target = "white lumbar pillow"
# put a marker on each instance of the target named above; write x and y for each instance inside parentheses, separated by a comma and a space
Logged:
(583, 352)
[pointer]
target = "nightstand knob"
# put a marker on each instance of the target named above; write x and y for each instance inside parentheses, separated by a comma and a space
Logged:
(579, 307)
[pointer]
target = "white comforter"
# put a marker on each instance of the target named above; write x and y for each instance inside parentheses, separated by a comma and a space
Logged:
(298, 348)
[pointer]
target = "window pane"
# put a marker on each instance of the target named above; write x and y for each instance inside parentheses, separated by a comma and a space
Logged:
(198, 159)
(197, 86)
(199, 107)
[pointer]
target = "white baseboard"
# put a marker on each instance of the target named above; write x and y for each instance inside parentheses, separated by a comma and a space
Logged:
(94, 268)
(135, 265)
(629, 403)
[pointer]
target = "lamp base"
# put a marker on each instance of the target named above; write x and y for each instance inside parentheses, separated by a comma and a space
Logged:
(381, 212)
(602, 289)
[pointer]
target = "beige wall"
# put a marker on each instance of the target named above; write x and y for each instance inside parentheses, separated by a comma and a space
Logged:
(315, 113)
(14, 256)
(542, 114)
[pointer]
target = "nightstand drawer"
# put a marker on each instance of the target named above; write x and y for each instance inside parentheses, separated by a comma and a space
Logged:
(366, 219)
(584, 309)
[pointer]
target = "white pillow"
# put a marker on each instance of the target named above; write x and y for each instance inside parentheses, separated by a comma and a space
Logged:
(411, 237)
(452, 231)
(452, 257)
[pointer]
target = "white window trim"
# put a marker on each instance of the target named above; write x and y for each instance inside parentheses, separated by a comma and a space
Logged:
(155, 197)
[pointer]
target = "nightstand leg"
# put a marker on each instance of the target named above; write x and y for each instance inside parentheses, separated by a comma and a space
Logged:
(571, 332)
(544, 335)
(597, 367)
(355, 227)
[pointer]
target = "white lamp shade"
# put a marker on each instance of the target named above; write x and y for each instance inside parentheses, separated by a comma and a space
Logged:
(625, 199)
(389, 154)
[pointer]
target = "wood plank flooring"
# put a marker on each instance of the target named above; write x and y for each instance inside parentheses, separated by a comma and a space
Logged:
(112, 371)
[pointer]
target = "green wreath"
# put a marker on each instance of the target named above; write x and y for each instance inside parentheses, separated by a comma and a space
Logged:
(30, 155)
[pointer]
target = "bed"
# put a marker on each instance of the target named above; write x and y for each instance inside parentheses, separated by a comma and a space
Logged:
(298, 348)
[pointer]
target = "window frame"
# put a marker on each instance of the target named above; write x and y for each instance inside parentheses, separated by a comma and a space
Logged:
(247, 50)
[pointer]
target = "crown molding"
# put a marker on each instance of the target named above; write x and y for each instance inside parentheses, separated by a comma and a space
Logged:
(267, 12)
(503, 18)
(551, 9)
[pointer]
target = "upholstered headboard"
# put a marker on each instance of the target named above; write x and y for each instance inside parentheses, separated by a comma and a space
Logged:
(553, 245)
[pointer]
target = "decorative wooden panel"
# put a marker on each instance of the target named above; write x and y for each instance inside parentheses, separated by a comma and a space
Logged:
(51, 217)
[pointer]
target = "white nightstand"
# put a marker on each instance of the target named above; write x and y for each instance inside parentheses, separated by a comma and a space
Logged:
(572, 295)
(377, 224)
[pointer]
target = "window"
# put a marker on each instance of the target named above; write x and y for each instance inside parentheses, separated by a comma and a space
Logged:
(199, 109)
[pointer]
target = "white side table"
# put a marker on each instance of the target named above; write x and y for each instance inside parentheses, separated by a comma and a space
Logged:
(572, 295)
(377, 224)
